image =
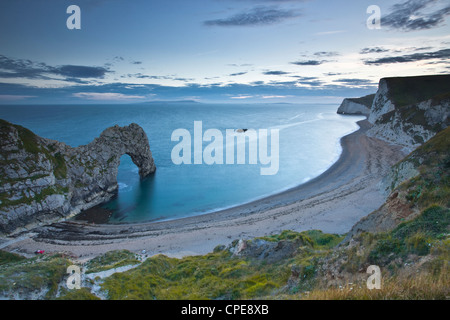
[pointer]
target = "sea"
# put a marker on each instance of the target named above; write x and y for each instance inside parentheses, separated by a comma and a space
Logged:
(308, 144)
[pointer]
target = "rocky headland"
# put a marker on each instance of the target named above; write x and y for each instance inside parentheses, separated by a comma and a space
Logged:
(43, 180)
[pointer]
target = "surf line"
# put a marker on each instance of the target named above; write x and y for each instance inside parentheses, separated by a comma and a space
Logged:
(213, 153)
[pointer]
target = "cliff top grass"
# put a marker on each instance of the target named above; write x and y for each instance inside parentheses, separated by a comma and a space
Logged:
(432, 160)
(366, 100)
(405, 91)
(28, 138)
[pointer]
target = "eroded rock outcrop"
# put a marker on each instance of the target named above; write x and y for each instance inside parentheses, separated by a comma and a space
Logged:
(43, 180)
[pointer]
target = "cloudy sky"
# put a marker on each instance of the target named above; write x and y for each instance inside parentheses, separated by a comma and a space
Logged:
(215, 50)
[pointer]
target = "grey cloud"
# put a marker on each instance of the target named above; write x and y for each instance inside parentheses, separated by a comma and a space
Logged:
(145, 76)
(333, 74)
(275, 73)
(184, 79)
(308, 63)
(256, 16)
(237, 74)
(373, 50)
(408, 16)
(22, 68)
(440, 54)
(239, 65)
(326, 54)
(80, 71)
(305, 78)
(355, 81)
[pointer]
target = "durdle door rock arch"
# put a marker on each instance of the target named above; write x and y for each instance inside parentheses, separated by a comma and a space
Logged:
(43, 180)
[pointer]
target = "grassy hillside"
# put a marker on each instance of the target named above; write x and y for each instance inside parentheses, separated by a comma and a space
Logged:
(432, 185)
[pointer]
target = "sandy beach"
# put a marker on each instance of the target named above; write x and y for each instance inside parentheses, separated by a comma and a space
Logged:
(332, 202)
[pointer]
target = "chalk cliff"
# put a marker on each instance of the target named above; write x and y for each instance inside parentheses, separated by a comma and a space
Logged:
(356, 106)
(43, 180)
(410, 110)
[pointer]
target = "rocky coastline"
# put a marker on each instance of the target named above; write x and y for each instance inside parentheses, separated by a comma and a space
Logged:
(44, 181)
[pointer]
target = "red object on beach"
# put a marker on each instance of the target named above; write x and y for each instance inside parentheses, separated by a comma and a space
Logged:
(39, 251)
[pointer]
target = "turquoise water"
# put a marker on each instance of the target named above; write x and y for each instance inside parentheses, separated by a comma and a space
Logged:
(308, 145)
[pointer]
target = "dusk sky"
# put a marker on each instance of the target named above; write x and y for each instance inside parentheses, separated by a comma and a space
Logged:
(299, 51)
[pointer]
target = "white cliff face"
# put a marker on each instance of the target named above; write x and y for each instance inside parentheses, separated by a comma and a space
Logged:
(398, 132)
(381, 103)
(43, 180)
(349, 107)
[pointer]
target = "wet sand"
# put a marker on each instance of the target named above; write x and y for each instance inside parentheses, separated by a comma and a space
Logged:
(332, 202)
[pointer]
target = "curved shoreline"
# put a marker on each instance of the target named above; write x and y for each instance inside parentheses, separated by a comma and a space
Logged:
(332, 202)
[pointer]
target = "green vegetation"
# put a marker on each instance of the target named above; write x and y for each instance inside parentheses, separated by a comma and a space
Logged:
(366, 100)
(414, 237)
(7, 257)
(55, 189)
(289, 235)
(112, 259)
(60, 168)
(432, 185)
(32, 276)
(405, 91)
(81, 294)
(217, 275)
(313, 238)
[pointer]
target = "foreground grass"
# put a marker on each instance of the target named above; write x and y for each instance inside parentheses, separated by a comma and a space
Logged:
(111, 260)
(213, 276)
(423, 286)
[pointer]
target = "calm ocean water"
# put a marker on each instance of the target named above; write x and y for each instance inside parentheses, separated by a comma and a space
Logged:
(309, 144)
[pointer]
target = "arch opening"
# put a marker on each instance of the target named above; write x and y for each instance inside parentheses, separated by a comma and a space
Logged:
(128, 173)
